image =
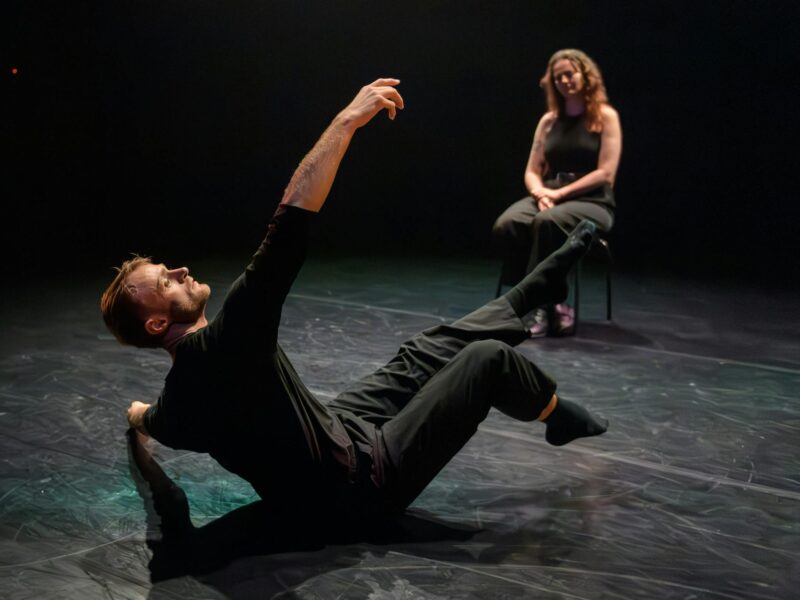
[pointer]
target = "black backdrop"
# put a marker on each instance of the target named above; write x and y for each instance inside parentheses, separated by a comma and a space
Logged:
(172, 127)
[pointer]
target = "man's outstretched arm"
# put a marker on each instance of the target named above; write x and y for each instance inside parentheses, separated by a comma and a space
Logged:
(313, 179)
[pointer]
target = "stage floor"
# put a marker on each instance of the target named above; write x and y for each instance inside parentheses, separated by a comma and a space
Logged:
(694, 492)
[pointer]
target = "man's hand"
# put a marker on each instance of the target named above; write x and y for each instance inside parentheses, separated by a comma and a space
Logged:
(311, 182)
(136, 415)
(370, 100)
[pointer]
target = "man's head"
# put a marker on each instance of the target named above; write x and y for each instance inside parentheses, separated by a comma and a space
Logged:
(146, 299)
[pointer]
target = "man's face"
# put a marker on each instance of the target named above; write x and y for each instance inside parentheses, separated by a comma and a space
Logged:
(170, 292)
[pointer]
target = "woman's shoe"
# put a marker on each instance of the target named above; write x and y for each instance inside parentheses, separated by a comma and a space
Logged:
(562, 322)
(541, 323)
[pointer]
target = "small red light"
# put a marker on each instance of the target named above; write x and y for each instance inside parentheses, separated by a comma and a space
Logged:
(14, 70)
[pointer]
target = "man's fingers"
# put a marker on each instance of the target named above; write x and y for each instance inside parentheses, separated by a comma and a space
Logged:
(372, 99)
(385, 81)
(390, 107)
(393, 95)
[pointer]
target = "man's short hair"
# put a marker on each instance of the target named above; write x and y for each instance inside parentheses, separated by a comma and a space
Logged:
(121, 313)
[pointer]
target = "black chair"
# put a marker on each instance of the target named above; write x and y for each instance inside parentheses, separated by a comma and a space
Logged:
(601, 249)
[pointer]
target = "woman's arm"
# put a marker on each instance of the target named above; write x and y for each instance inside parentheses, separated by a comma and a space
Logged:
(536, 162)
(607, 161)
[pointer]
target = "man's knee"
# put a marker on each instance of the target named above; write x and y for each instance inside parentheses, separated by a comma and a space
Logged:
(486, 351)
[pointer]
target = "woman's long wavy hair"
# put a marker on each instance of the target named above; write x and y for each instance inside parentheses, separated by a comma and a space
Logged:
(594, 90)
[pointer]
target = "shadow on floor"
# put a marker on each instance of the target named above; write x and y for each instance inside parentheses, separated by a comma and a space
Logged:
(179, 548)
(612, 333)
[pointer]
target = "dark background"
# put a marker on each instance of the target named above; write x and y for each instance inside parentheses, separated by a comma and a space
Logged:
(171, 128)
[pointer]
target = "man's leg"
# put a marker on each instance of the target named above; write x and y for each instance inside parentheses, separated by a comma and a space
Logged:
(446, 412)
(381, 395)
(549, 228)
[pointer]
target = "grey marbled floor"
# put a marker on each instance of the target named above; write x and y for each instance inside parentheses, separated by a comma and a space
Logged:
(694, 492)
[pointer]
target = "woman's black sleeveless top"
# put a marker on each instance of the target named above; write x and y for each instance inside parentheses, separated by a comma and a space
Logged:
(571, 151)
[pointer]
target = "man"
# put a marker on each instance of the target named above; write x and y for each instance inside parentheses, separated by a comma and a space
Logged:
(232, 392)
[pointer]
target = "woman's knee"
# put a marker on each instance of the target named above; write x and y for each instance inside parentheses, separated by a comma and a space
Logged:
(544, 218)
(503, 227)
(514, 220)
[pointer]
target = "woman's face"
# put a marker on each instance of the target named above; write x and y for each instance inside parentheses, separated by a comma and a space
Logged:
(567, 78)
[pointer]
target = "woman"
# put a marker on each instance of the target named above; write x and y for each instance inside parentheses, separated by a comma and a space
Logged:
(570, 176)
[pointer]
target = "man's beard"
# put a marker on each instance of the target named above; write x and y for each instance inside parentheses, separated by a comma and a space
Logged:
(190, 311)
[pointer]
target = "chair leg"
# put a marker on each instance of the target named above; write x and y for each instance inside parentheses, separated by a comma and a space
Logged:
(609, 267)
(577, 295)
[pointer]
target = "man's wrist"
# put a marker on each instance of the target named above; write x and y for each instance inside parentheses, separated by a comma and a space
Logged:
(344, 124)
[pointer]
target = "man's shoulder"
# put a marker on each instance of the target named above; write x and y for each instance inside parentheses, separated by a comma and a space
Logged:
(191, 358)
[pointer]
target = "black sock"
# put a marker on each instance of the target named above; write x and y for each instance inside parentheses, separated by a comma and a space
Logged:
(570, 421)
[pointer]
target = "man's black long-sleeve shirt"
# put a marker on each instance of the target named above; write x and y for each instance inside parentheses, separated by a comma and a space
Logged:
(232, 392)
